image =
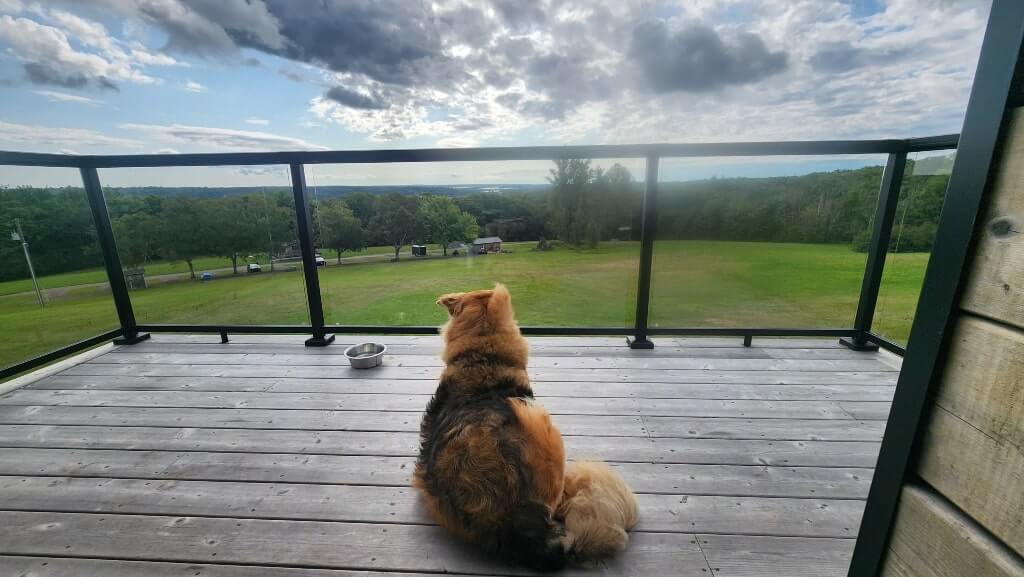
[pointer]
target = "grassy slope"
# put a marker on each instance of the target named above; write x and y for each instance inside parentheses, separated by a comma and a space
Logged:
(97, 275)
(695, 284)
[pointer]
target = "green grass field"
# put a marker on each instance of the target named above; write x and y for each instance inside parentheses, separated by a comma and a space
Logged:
(715, 284)
(96, 275)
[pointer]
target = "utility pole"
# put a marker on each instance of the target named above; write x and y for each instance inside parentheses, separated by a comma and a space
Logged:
(19, 235)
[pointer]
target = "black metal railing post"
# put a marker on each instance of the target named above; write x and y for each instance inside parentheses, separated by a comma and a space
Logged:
(648, 222)
(885, 216)
(305, 227)
(108, 246)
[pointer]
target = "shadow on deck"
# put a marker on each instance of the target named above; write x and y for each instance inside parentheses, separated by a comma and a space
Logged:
(179, 456)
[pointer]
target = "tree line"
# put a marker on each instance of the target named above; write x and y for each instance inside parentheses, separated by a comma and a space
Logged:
(583, 205)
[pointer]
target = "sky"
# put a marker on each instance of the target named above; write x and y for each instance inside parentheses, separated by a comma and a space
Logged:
(164, 76)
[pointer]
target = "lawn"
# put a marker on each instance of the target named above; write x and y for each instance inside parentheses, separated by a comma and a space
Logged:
(716, 284)
(97, 275)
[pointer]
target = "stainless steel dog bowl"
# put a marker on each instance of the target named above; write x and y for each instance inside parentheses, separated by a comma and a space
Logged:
(366, 355)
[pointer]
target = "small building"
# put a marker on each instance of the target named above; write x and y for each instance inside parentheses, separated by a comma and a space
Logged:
(487, 244)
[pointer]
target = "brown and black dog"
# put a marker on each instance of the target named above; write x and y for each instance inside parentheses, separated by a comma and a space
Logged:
(492, 465)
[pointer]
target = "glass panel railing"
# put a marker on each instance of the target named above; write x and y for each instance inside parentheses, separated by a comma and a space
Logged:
(917, 216)
(46, 226)
(765, 242)
(208, 245)
(562, 236)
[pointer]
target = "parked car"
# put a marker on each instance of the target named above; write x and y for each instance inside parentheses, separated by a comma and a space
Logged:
(254, 267)
(320, 261)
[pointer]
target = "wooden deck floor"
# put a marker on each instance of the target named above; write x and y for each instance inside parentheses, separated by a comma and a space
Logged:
(181, 457)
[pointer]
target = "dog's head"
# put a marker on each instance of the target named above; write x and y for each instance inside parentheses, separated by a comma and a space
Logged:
(482, 321)
(479, 311)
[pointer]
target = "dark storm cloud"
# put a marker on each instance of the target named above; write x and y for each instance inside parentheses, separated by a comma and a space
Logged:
(839, 57)
(390, 41)
(353, 99)
(697, 59)
(54, 73)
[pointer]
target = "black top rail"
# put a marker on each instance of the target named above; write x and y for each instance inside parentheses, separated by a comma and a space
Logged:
(774, 148)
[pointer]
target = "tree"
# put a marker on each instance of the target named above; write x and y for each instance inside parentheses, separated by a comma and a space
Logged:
(444, 223)
(340, 229)
(395, 219)
(237, 226)
(570, 180)
(362, 204)
(185, 233)
(137, 236)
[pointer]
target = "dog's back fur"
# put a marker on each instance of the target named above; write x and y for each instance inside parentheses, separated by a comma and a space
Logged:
(492, 465)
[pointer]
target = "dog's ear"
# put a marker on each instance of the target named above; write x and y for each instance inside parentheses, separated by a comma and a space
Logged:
(452, 302)
(500, 303)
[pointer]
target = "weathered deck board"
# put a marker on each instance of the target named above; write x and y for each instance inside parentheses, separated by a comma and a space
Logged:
(748, 480)
(388, 372)
(371, 504)
(741, 556)
(623, 449)
(708, 352)
(409, 421)
(391, 547)
(805, 409)
(58, 567)
(181, 455)
(540, 362)
(427, 387)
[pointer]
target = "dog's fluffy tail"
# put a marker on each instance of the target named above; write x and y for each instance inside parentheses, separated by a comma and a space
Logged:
(598, 508)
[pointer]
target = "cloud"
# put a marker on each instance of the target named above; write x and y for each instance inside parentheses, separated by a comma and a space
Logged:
(225, 139)
(842, 56)
(257, 120)
(48, 57)
(353, 99)
(507, 72)
(191, 86)
(55, 96)
(35, 137)
(697, 59)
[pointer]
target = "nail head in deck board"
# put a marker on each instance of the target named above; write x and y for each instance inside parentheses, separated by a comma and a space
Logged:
(931, 538)
(834, 392)
(432, 362)
(817, 409)
(72, 567)
(624, 449)
(368, 504)
(887, 377)
(742, 556)
(748, 480)
(303, 543)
